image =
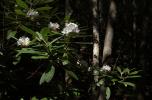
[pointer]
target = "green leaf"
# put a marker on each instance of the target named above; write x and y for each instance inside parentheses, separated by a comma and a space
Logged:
(134, 72)
(114, 81)
(1, 53)
(72, 74)
(39, 36)
(21, 98)
(58, 47)
(43, 8)
(126, 70)
(108, 93)
(65, 56)
(19, 12)
(50, 74)
(22, 4)
(54, 40)
(127, 84)
(67, 18)
(34, 98)
(40, 57)
(28, 30)
(119, 70)
(17, 60)
(47, 76)
(42, 79)
(135, 76)
(100, 83)
(11, 34)
(76, 92)
(30, 51)
(65, 62)
(54, 33)
(44, 31)
(44, 99)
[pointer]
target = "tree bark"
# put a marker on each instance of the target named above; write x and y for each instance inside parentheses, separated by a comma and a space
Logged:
(95, 34)
(107, 49)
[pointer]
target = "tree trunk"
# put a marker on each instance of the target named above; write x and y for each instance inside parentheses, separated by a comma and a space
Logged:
(95, 62)
(107, 49)
(95, 34)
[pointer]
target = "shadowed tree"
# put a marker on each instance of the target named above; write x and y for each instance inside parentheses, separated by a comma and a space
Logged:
(95, 21)
(95, 34)
(107, 49)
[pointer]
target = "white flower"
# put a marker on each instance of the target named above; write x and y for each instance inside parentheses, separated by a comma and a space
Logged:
(32, 13)
(89, 69)
(105, 68)
(16, 5)
(70, 27)
(78, 62)
(53, 26)
(23, 41)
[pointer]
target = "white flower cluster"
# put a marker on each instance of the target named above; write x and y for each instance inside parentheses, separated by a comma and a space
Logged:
(54, 26)
(23, 41)
(32, 13)
(105, 68)
(70, 27)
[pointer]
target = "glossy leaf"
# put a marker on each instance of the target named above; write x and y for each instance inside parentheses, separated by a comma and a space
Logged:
(30, 51)
(108, 93)
(34, 98)
(17, 60)
(126, 70)
(28, 30)
(44, 31)
(40, 57)
(11, 34)
(44, 99)
(1, 53)
(134, 76)
(65, 62)
(39, 36)
(134, 72)
(119, 70)
(19, 12)
(101, 82)
(21, 3)
(47, 76)
(72, 74)
(127, 84)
